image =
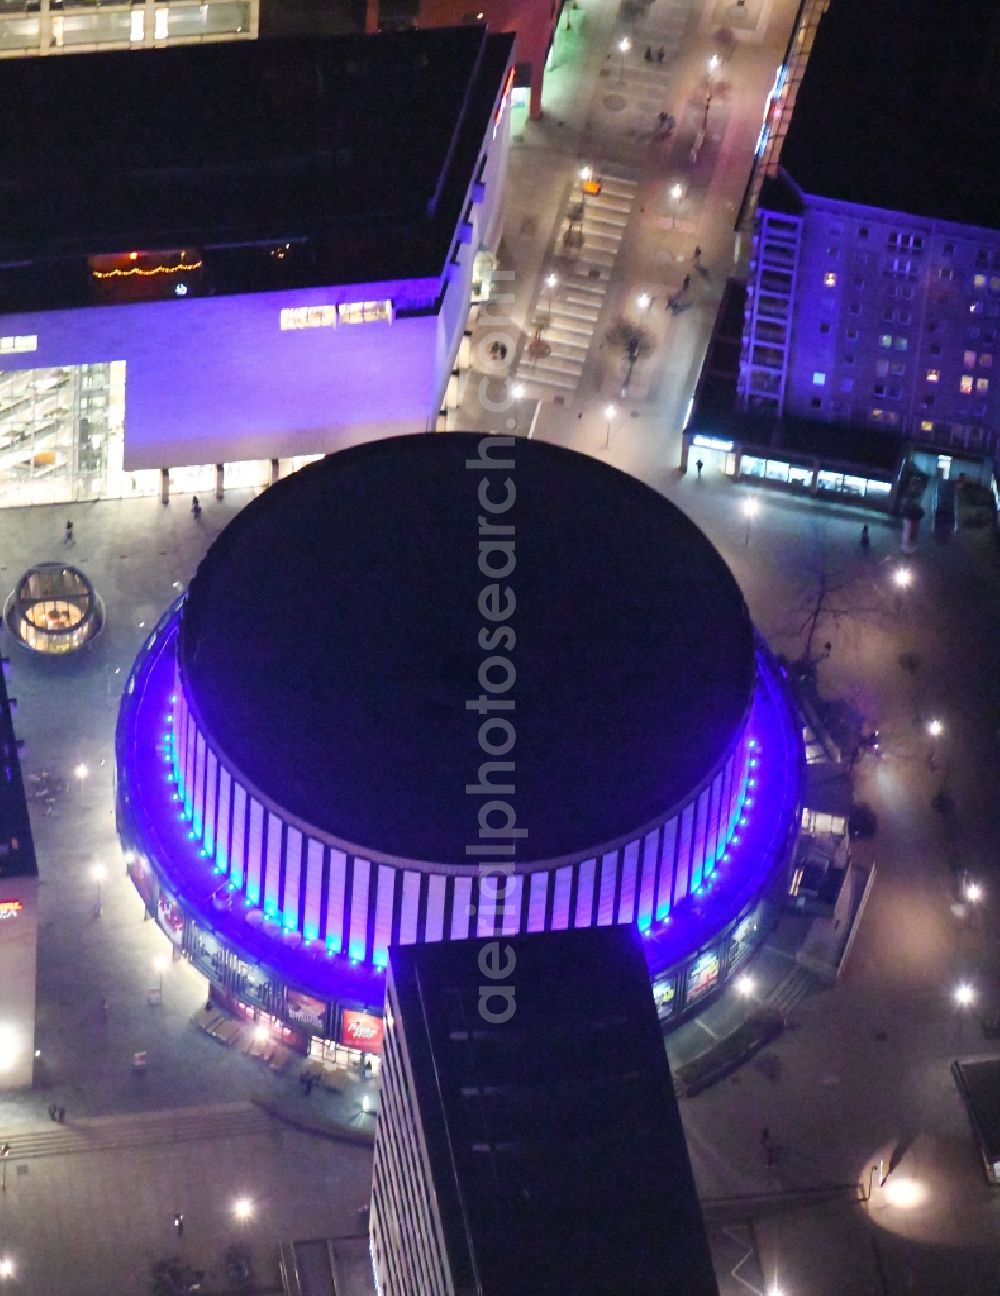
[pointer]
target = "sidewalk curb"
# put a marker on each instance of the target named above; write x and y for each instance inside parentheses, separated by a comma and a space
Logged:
(323, 1129)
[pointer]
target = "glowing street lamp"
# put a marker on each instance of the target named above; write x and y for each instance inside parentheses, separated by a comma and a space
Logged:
(160, 965)
(745, 986)
(242, 1209)
(610, 414)
(81, 772)
(935, 728)
(973, 892)
(713, 65)
(902, 578)
(676, 194)
(964, 995)
(6, 1267)
(262, 1032)
(643, 301)
(751, 508)
(517, 394)
(624, 45)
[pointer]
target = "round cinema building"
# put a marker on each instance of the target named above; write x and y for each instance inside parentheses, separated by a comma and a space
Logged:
(444, 686)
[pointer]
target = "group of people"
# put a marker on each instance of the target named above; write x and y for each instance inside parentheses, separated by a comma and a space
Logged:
(660, 54)
(57, 1114)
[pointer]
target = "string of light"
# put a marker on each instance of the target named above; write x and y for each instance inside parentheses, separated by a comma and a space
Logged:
(146, 274)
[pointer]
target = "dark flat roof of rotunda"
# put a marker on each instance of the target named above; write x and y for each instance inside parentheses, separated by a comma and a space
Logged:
(330, 643)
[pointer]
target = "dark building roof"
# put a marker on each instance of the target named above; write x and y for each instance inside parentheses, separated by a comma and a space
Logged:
(330, 641)
(893, 106)
(356, 150)
(556, 1146)
(17, 850)
(979, 1083)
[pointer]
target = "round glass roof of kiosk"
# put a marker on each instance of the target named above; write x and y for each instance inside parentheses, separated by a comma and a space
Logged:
(54, 609)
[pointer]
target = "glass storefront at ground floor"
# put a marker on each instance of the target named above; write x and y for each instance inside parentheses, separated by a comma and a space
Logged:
(62, 440)
(340, 1033)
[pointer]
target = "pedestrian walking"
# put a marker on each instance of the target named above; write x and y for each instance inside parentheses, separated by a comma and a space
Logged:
(865, 539)
(68, 534)
(686, 284)
(195, 506)
(52, 1111)
(648, 56)
(765, 1136)
(699, 465)
(662, 118)
(697, 255)
(659, 54)
(179, 1223)
(60, 1114)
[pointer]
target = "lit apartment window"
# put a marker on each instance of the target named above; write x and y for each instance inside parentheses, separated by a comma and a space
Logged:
(830, 279)
(979, 281)
(965, 384)
(975, 308)
(819, 379)
(885, 340)
(982, 386)
(136, 24)
(969, 359)
(986, 359)
(877, 414)
(926, 425)
(900, 343)
(933, 375)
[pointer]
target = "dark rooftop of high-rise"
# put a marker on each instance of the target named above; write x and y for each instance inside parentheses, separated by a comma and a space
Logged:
(895, 105)
(555, 1143)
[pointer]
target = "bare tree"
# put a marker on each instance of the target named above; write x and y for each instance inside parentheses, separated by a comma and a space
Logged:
(632, 340)
(830, 591)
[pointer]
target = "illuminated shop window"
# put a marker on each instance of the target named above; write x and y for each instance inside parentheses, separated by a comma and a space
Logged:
(136, 25)
(20, 342)
(830, 279)
(364, 312)
(301, 317)
(965, 384)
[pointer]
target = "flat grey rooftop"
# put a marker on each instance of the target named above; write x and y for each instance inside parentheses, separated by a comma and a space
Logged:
(330, 641)
(891, 109)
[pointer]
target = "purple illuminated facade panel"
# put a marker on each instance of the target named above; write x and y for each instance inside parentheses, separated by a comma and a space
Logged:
(211, 791)
(335, 897)
(668, 857)
(314, 890)
(536, 903)
(714, 811)
(198, 799)
(585, 893)
(434, 926)
(682, 871)
(238, 851)
(461, 890)
(385, 881)
(700, 834)
(647, 886)
(560, 901)
(512, 900)
(254, 850)
(272, 865)
(410, 907)
(629, 857)
(609, 884)
(223, 822)
(291, 890)
(358, 938)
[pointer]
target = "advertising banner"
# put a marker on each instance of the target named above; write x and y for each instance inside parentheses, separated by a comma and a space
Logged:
(702, 974)
(310, 1012)
(361, 1031)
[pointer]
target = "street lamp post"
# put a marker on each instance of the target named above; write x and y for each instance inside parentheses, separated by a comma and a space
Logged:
(676, 194)
(517, 392)
(551, 283)
(610, 412)
(4, 1154)
(160, 966)
(750, 510)
(624, 45)
(99, 872)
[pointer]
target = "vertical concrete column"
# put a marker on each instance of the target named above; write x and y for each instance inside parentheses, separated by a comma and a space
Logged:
(149, 22)
(685, 451)
(737, 462)
(371, 16)
(814, 484)
(164, 485)
(45, 41)
(220, 481)
(274, 471)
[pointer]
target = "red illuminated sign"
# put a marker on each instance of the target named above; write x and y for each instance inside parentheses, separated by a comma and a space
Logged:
(10, 909)
(361, 1031)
